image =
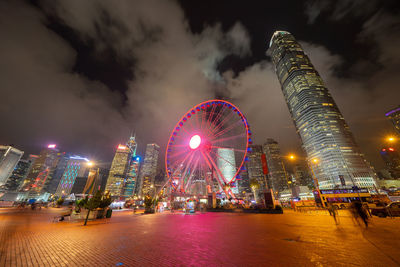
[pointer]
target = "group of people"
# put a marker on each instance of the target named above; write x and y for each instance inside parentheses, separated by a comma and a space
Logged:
(357, 210)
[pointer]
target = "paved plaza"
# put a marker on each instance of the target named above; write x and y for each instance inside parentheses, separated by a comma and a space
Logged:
(30, 238)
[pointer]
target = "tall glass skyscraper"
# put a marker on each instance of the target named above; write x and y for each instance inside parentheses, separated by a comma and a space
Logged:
(149, 169)
(277, 175)
(227, 164)
(325, 135)
(118, 171)
(9, 157)
(394, 116)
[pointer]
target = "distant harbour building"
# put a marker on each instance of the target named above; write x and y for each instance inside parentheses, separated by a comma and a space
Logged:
(326, 137)
(76, 167)
(394, 116)
(133, 169)
(149, 169)
(254, 166)
(276, 172)
(227, 164)
(391, 157)
(118, 171)
(42, 171)
(9, 157)
(19, 174)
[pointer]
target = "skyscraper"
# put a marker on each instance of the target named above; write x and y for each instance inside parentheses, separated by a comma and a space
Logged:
(19, 174)
(76, 167)
(118, 171)
(277, 175)
(392, 160)
(133, 169)
(149, 169)
(394, 116)
(9, 157)
(254, 166)
(227, 164)
(324, 133)
(42, 171)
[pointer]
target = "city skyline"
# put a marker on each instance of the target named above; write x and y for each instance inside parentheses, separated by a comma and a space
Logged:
(218, 55)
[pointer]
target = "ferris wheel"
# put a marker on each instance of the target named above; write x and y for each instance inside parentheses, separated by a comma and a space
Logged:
(210, 143)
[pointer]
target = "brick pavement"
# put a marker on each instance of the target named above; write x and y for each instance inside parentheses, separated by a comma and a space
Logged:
(213, 239)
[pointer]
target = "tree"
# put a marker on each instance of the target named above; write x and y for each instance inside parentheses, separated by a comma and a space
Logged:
(254, 185)
(105, 201)
(93, 203)
(59, 202)
(149, 203)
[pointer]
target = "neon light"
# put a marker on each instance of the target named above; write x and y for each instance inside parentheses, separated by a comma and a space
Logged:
(78, 158)
(51, 146)
(392, 111)
(195, 141)
(122, 147)
(391, 149)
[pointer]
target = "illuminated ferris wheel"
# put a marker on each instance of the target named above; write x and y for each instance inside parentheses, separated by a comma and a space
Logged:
(210, 142)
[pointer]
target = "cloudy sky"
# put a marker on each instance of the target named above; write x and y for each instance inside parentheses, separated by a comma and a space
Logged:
(85, 74)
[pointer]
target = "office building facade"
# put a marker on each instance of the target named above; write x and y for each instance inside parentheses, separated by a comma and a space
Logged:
(326, 137)
(254, 166)
(149, 169)
(277, 174)
(9, 157)
(76, 167)
(19, 174)
(394, 117)
(391, 157)
(118, 171)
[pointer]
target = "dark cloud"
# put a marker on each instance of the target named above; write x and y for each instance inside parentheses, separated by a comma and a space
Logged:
(169, 69)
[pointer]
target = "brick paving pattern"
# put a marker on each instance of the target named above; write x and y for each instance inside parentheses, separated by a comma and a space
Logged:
(29, 238)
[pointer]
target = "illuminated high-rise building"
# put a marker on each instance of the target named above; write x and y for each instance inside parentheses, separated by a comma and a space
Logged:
(118, 171)
(276, 172)
(227, 164)
(130, 181)
(9, 157)
(19, 174)
(76, 167)
(392, 160)
(326, 137)
(149, 168)
(394, 116)
(254, 166)
(42, 170)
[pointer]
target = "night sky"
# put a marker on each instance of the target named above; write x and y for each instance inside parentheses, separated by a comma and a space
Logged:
(87, 74)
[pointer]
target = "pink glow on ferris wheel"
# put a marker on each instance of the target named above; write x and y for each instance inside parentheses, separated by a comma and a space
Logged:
(195, 141)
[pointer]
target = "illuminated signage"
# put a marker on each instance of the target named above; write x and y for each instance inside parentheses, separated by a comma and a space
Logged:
(51, 146)
(122, 147)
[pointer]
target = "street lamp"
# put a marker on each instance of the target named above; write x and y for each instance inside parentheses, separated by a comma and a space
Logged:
(391, 139)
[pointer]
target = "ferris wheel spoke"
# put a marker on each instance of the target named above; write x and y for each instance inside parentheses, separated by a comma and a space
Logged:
(229, 128)
(227, 161)
(216, 167)
(230, 138)
(222, 123)
(176, 154)
(210, 116)
(217, 117)
(192, 173)
(178, 164)
(234, 149)
(186, 169)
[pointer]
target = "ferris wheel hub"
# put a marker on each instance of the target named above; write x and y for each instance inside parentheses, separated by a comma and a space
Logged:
(195, 141)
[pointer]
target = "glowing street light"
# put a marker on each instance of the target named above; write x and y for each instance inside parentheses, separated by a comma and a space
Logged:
(315, 161)
(90, 163)
(390, 139)
(292, 157)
